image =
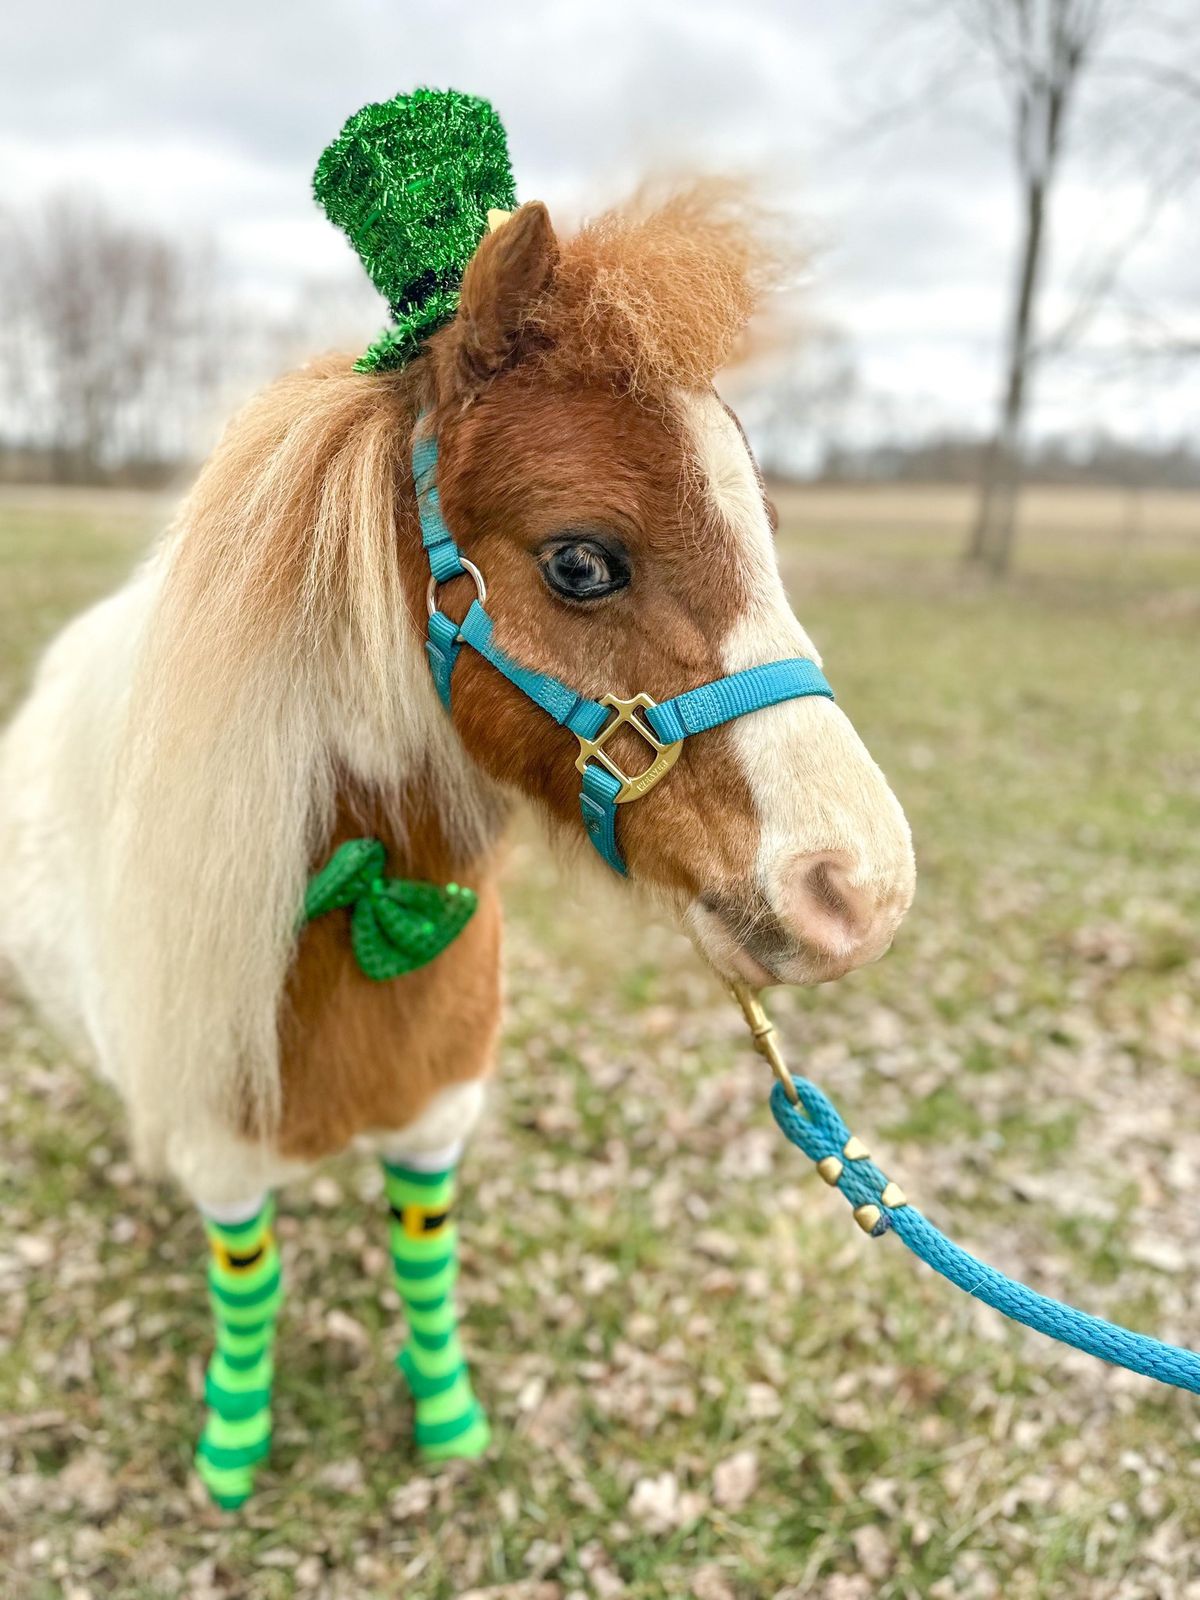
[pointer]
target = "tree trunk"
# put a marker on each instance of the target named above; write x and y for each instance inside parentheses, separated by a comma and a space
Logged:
(991, 541)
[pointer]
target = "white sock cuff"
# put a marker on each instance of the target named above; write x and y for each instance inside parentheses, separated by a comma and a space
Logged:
(235, 1211)
(426, 1160)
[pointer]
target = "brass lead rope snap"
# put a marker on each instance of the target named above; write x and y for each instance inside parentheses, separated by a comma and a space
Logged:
(762, 1032)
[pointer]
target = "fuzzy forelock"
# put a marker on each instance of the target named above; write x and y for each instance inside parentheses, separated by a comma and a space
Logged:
(652, 296)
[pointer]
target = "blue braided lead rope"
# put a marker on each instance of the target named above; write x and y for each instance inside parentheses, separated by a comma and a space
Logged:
(880, 1208)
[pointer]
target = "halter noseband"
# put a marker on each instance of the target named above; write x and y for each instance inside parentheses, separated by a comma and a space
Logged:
(663, 726)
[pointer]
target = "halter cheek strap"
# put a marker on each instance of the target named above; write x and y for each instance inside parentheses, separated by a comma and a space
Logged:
(663, 726)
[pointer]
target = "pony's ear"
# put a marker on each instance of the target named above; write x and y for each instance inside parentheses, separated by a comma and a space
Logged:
(511, 268)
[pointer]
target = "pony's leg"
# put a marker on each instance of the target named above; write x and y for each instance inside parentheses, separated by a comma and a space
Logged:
(450, 1422)
(245, 1288)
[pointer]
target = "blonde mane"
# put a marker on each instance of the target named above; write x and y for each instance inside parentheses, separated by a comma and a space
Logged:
(279, 654)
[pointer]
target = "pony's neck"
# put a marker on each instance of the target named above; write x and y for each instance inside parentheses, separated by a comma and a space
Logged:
(402, 772)
(423, 827)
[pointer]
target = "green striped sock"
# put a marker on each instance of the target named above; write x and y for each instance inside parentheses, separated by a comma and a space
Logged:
(245, 1290)
(450, 1421)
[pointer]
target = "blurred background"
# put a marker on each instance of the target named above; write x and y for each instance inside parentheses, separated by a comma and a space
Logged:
(978, 413)
(998, 199)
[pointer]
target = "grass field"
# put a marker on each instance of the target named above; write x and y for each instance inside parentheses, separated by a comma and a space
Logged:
(705, 1382)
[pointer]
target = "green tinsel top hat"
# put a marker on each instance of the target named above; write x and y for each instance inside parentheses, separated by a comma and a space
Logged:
(410, 182)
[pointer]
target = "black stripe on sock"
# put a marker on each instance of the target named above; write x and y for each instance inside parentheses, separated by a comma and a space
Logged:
(430, 1220)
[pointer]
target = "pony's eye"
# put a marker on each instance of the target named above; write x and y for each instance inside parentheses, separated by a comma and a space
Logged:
(584, 569)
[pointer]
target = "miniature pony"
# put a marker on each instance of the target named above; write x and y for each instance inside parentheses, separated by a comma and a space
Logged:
(257, 695)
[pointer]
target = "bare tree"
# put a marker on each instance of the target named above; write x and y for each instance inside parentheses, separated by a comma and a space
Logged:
(1116, 82)
(1040, 48)
(108, 351)
(1045, 53)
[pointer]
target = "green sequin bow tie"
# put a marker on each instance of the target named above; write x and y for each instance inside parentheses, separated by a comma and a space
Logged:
(396, 924)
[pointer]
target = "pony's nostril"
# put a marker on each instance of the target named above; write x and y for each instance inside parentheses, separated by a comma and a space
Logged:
(822, 908)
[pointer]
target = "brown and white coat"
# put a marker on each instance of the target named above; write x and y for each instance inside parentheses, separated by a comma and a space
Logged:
(195, 745)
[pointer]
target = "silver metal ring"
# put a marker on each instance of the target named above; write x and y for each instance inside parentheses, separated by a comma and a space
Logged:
(472, 572)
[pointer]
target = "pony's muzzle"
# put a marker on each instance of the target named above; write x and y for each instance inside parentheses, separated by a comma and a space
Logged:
(836, 917)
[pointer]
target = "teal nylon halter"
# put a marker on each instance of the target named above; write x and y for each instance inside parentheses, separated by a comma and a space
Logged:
(663, 726)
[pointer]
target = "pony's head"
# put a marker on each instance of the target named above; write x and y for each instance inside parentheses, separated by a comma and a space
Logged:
(589, 471)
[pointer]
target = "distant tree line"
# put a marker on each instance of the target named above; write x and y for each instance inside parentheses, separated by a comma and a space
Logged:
(953, 458)
(121, 349)
(119, 353)
(110, 343)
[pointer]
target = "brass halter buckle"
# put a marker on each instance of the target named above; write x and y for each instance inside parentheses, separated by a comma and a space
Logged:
(665, 755)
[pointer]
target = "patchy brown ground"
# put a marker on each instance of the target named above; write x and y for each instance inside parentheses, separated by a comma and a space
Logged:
(704, 1380)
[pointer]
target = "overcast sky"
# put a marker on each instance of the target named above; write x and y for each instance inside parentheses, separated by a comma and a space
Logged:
(208, 119)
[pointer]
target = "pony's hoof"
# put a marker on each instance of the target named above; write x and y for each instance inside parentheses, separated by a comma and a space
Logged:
(230, 1482)
(228, 1488)
(468, 1443)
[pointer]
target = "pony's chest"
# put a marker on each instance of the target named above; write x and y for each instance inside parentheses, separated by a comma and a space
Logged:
(360, 1056)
